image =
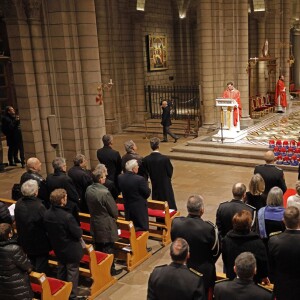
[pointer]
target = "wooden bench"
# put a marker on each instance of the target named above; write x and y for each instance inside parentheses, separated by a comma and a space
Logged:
(99, 265)
(49, 288)
(132, 245)
(160, 219)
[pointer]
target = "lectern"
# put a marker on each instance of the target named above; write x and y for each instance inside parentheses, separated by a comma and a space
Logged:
(228, 132)
(227, 114)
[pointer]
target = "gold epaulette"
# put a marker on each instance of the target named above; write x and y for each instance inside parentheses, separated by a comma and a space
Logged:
(274, 233)
(196, 272)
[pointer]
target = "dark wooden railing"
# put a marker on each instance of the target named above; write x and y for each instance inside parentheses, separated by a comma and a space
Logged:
(183, 100)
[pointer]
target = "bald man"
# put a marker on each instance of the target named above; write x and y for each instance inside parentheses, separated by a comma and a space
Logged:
(272, 175)
(34, 167)
(166, 122)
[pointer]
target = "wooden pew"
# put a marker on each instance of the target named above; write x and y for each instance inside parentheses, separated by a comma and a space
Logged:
(50, 288)
(160, 219)
(8, 202)
(132, 245)
(98, 270)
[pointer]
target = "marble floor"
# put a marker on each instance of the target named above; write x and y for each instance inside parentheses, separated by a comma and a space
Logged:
(212, 181)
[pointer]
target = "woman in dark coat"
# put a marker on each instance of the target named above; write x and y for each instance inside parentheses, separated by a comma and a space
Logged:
(14, 279)
(241, 239)
(255, 196)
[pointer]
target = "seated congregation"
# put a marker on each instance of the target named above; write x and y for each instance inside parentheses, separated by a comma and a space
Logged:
(77, 223)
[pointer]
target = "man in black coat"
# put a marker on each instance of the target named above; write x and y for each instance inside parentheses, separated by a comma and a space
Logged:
(228, 209)
(160, 171)
(5, 216)
(60, 180)
(110, 158)
(243, 286)
(81, 179)
(34, 167)
(130, 148)
(202, 237)
(284, 249)
(135, 193)
(166, 122)
(272, 175)
(65, 237)
(32, 236)
(175, 281)
(10, 124)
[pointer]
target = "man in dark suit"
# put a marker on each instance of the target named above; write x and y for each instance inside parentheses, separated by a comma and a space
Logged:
(175, 281)
(60, 180)
(166, 122)
(243, 286)
(228, 209)
(29, 217)
(272, 175)
(81, 179)
(34, 167)
(160, 170)
(135, 192)
(110, 158)
(202, 237)
(284, 249)
(65, 235)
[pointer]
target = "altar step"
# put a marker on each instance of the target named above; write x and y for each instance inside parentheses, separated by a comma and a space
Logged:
(154, 128)
(218, 153)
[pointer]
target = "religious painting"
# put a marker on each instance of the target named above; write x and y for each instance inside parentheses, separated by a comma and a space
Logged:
(157, 52)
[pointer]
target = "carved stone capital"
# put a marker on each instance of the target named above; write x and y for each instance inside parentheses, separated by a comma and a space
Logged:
(33, 9)
(13, 9)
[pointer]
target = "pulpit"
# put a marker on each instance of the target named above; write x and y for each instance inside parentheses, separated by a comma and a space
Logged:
(229, 121)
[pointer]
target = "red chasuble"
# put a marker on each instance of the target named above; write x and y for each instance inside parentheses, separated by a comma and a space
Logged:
(234, 94)
(280, 94)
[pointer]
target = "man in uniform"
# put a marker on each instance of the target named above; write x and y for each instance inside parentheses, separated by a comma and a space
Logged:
(284, 249)
(272, 175)
(176, 281)
(228, 209)
(243, 286)
(202, 237)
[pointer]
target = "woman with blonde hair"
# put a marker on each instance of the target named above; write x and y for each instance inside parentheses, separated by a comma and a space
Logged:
(255, 196)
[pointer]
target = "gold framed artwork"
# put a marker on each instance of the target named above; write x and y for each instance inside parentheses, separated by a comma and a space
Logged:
(157, 52)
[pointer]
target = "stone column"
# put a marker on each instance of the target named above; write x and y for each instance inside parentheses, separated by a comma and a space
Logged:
(42, 98)
(24, 77)
(211, 66)
(296, 51)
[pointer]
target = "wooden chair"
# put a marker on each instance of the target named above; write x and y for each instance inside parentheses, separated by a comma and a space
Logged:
(132, 245)
(50, 288)
(160, 220)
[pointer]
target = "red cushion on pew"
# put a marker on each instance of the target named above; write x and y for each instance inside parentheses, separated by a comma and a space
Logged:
(159, 213)
(85, 226)
(125, 234)
(55, 286)
(120, 206)
(99, 255)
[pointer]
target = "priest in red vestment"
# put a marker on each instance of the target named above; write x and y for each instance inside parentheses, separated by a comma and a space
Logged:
(280, 94)
(232, 93)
